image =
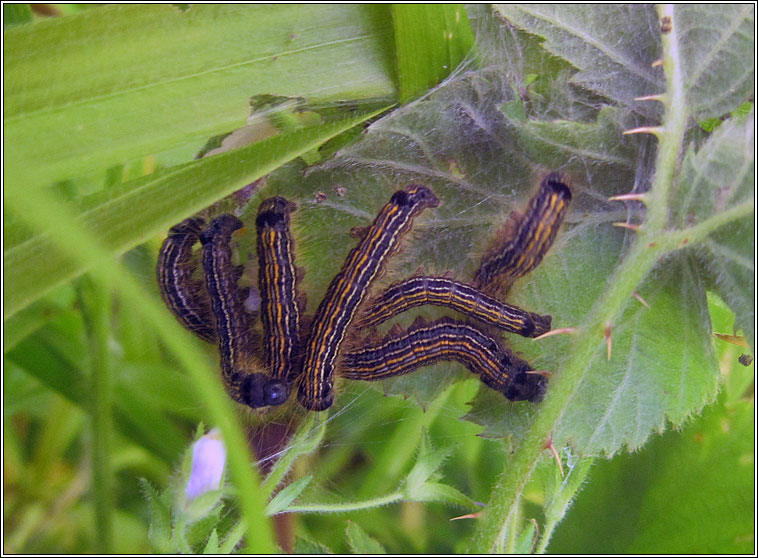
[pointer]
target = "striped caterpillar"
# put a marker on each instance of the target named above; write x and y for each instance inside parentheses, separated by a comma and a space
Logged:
(260, 372)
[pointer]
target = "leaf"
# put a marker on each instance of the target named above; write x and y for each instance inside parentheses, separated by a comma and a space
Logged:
(431, 40)
(660, 512)
(663, 367)
(612, 46)
(307, 546)
(420, 485)
(717, 178)
(124, 216)
(287, 495)
(159, 533)
(159, 80)
(135, 417)
(483, 163)
(16, 14)
(717, 56)
(211, 547)
(361, 542)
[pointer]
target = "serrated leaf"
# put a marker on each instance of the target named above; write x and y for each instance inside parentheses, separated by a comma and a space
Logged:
(159, 532)
(307, 546)
(155, 78)
(717, 49)
(662, 367)
(717, 178)
(361, 542)
(687, 492)
(287, 495)
(124, 216)
(482, 165)
(613, 46)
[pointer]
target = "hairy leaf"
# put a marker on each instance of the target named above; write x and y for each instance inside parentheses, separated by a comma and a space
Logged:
(714, 180)
(613, 46)
(717, 56)
(361, 542)
(482, 161)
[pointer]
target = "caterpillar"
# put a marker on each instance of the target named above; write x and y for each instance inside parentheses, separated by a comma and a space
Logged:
(184, 296)
(446, 339)
(277, 281)
(532, 236)
(459, 296)
(245, 376)
(349, 288)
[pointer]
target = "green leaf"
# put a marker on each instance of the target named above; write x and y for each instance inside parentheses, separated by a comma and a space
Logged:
(134, 416)
(211, 547)
(687, 492)
(16, 14)
(716, 51)
(157, 79)
(717, 54)
(361, 542)
(124, 216)
(420, 484)
(287, 495)
(159, 533)
(612, 46)
(307, 546)
(431, 40)
(717, 178)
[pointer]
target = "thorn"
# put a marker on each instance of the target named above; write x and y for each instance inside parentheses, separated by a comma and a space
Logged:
(551, 447)
(566, 330)
(631, 197)
(655, 130)
(733, 339)
(544, 373)
(657, 63)
(420, 271)
(467, 516)
(536, 534)
(449, 274)
(636, 295)
(630, 226)
(608, 339)
(658, 97)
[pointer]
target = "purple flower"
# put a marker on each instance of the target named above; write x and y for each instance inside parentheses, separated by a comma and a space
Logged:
(208, 460)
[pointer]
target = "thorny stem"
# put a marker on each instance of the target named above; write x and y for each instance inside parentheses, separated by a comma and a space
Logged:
(653, 241)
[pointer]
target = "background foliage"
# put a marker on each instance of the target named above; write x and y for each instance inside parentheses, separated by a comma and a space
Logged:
(103, 390)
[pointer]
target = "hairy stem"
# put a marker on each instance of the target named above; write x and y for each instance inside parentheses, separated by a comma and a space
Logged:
(588, 344)
(347, 507)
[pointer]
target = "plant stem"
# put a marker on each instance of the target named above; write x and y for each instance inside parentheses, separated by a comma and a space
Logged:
(588, 344)
(353, 506)
(95, 297)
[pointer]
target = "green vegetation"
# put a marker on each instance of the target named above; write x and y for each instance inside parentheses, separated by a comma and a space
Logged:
(335, 107)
